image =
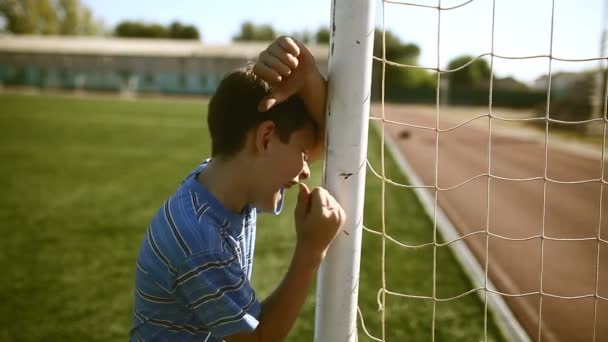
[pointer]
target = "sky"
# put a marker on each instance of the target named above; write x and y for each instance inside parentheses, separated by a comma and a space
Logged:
(521, 27)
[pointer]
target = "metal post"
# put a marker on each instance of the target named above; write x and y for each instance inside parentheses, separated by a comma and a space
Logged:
(349, 88)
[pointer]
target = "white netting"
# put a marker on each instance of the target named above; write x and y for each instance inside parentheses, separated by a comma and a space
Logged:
(489, 176)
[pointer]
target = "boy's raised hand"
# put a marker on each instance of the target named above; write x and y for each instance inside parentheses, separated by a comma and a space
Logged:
(286, 65)
(319, 218)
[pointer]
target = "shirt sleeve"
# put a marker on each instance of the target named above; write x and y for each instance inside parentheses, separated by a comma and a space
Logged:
(216, 288)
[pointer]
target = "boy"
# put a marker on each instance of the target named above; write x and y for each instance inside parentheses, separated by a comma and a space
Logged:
(192, 277)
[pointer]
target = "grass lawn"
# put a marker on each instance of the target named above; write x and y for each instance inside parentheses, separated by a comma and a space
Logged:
(80, 180)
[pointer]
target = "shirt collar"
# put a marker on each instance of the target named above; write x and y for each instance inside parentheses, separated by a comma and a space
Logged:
(226, 218)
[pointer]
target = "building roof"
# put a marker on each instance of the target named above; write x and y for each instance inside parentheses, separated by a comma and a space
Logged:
(110, 46)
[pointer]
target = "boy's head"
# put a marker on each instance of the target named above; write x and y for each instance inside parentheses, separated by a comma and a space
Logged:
(277, 141)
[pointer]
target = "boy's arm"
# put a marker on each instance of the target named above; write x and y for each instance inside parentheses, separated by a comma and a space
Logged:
(281, 309)
(290, 69)
(314, 95)
(318, 219)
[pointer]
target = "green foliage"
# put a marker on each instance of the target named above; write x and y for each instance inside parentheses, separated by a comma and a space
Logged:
(179, 31)
(252, 32)
(82, 179)
(137, 29)
(322, 35)
(574, 104)
(48, 17)
(473, 75)
(133, 29)
(396, 50)
(397, 79)
(571, 104)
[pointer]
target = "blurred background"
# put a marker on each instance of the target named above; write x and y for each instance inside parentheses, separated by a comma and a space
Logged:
(185, 48)
(160, 47)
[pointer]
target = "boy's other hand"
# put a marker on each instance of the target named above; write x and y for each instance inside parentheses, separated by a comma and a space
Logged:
(287, 66)
(319, 218)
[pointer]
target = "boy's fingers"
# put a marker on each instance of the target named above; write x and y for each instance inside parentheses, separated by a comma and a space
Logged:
(289, 45)
(275, 63)
(303, 190)
(302, 206)
(327, 200)
(277, 95)
(266, 73)
(316, 199)
(266, 103)
(342, 216)
(286, 57)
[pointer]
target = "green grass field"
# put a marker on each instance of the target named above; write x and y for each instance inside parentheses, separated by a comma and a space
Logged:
(80, 180)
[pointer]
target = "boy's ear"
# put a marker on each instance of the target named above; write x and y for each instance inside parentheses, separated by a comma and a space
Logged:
(263, 134)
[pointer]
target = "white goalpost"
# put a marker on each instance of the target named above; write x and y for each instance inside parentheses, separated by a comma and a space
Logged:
(349, 87)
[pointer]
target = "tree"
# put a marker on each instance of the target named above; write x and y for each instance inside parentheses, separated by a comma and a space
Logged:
(252, 32)
(69, 13)
(66, 17)
(573, 103)
(49, 22)
(473, 75)
(179, 31)
(396, 51)
(134, 29)
(88, 25)
(137, 29)
(322, 36)
(19, 16)
(397, 78)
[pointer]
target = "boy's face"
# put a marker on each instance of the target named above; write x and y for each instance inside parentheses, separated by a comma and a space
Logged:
(283, 165)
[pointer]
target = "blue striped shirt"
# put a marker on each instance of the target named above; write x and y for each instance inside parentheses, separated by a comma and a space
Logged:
(193, 270)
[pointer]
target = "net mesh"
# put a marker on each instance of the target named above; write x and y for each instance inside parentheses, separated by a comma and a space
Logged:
(490, 176)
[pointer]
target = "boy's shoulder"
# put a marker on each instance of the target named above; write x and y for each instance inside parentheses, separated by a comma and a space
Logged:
(198, 221)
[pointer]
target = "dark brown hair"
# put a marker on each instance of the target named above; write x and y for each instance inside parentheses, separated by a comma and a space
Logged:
(233, 112)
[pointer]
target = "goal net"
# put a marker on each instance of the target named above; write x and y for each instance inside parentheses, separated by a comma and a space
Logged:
(507, 193)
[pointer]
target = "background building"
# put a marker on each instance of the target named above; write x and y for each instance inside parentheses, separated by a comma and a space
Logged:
(125, 65)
